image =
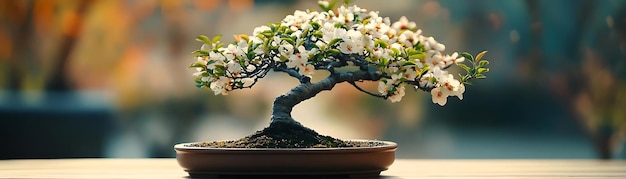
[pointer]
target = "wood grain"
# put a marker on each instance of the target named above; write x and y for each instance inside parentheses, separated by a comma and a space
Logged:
(402, 168)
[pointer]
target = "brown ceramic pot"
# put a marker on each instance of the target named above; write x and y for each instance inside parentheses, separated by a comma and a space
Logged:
(352, 161)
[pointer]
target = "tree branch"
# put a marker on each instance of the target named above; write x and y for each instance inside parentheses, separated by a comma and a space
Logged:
(367, 92)
(293, 73)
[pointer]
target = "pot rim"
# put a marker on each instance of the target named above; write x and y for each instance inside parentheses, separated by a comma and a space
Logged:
(387, 145)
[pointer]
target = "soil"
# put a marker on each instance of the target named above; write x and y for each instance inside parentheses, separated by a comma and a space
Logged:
(285, 135)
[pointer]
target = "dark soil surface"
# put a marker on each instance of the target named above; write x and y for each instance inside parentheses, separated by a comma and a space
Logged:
(285, 135)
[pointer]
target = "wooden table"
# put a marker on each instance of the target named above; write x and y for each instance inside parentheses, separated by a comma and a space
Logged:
(402, 168)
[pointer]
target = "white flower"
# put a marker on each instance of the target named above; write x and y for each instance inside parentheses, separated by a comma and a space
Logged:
(256, 40)
(355, 36)
(449, 59)
(286, 50)
(410, 74)
(459, 92)
(435, 59)
(215, 59)
(306, 70)
(328, 31)
(377, 53)
(247, 81)
(397, 96)
(357, 31)
(404, 24)
(349, 47)
(449, 84)
(221, 86)
(199, 71)
(439, 96)
(230, 52)
(260, 29)
(408, 38)
(234, 67)
(397, 46)
(296, 33)
(340, 19)
(300, 59)
(320, 44)
(431, 44)
(382, 87)
(426, 81)
(297, 60)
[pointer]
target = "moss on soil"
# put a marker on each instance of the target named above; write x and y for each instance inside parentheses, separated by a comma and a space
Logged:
(285, 135)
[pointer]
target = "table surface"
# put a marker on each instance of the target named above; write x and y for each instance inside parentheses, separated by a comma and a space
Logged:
(402, 168)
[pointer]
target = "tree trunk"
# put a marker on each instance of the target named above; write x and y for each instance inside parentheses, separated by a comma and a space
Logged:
(283, 105)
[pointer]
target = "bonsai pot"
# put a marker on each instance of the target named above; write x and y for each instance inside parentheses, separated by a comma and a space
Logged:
(348, 161)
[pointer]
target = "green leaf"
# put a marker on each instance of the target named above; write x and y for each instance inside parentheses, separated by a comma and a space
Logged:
(283, 58)
(324, 8)
(282, 28)
(306, 32)
(334, 41)
(334, 51)
(407, 63)
(199, 84)
(468, 56)
(338, 25)
(381, 43)
(318, 34)
(216, 38)
(273, 27)
(196, 65)
(219, 45)
(315, 25)
(250, 56)
(410, 51)
(395, 51)
(268, 34)
(203, 38)
(480, 55)
(332, 4)
(465, 67)
(254, 47)
(289, 40)
(482, 70)
(480, 76)
(483, 63)
(200, 53)
(383, 61)
(417, 56)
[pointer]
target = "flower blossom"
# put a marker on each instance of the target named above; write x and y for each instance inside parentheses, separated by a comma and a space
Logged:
(398, 51)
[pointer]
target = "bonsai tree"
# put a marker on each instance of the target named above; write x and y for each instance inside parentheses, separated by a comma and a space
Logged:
(353, 44)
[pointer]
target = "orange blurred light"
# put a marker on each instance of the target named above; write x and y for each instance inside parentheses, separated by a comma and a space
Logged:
(5, 45)
(240, 5)
(43, 15)
(206, 5)
(71, 23)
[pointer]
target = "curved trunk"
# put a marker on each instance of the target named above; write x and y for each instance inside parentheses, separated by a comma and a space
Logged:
(283, 104)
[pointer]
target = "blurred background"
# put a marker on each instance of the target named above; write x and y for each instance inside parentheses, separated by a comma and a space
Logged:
(109, 78)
